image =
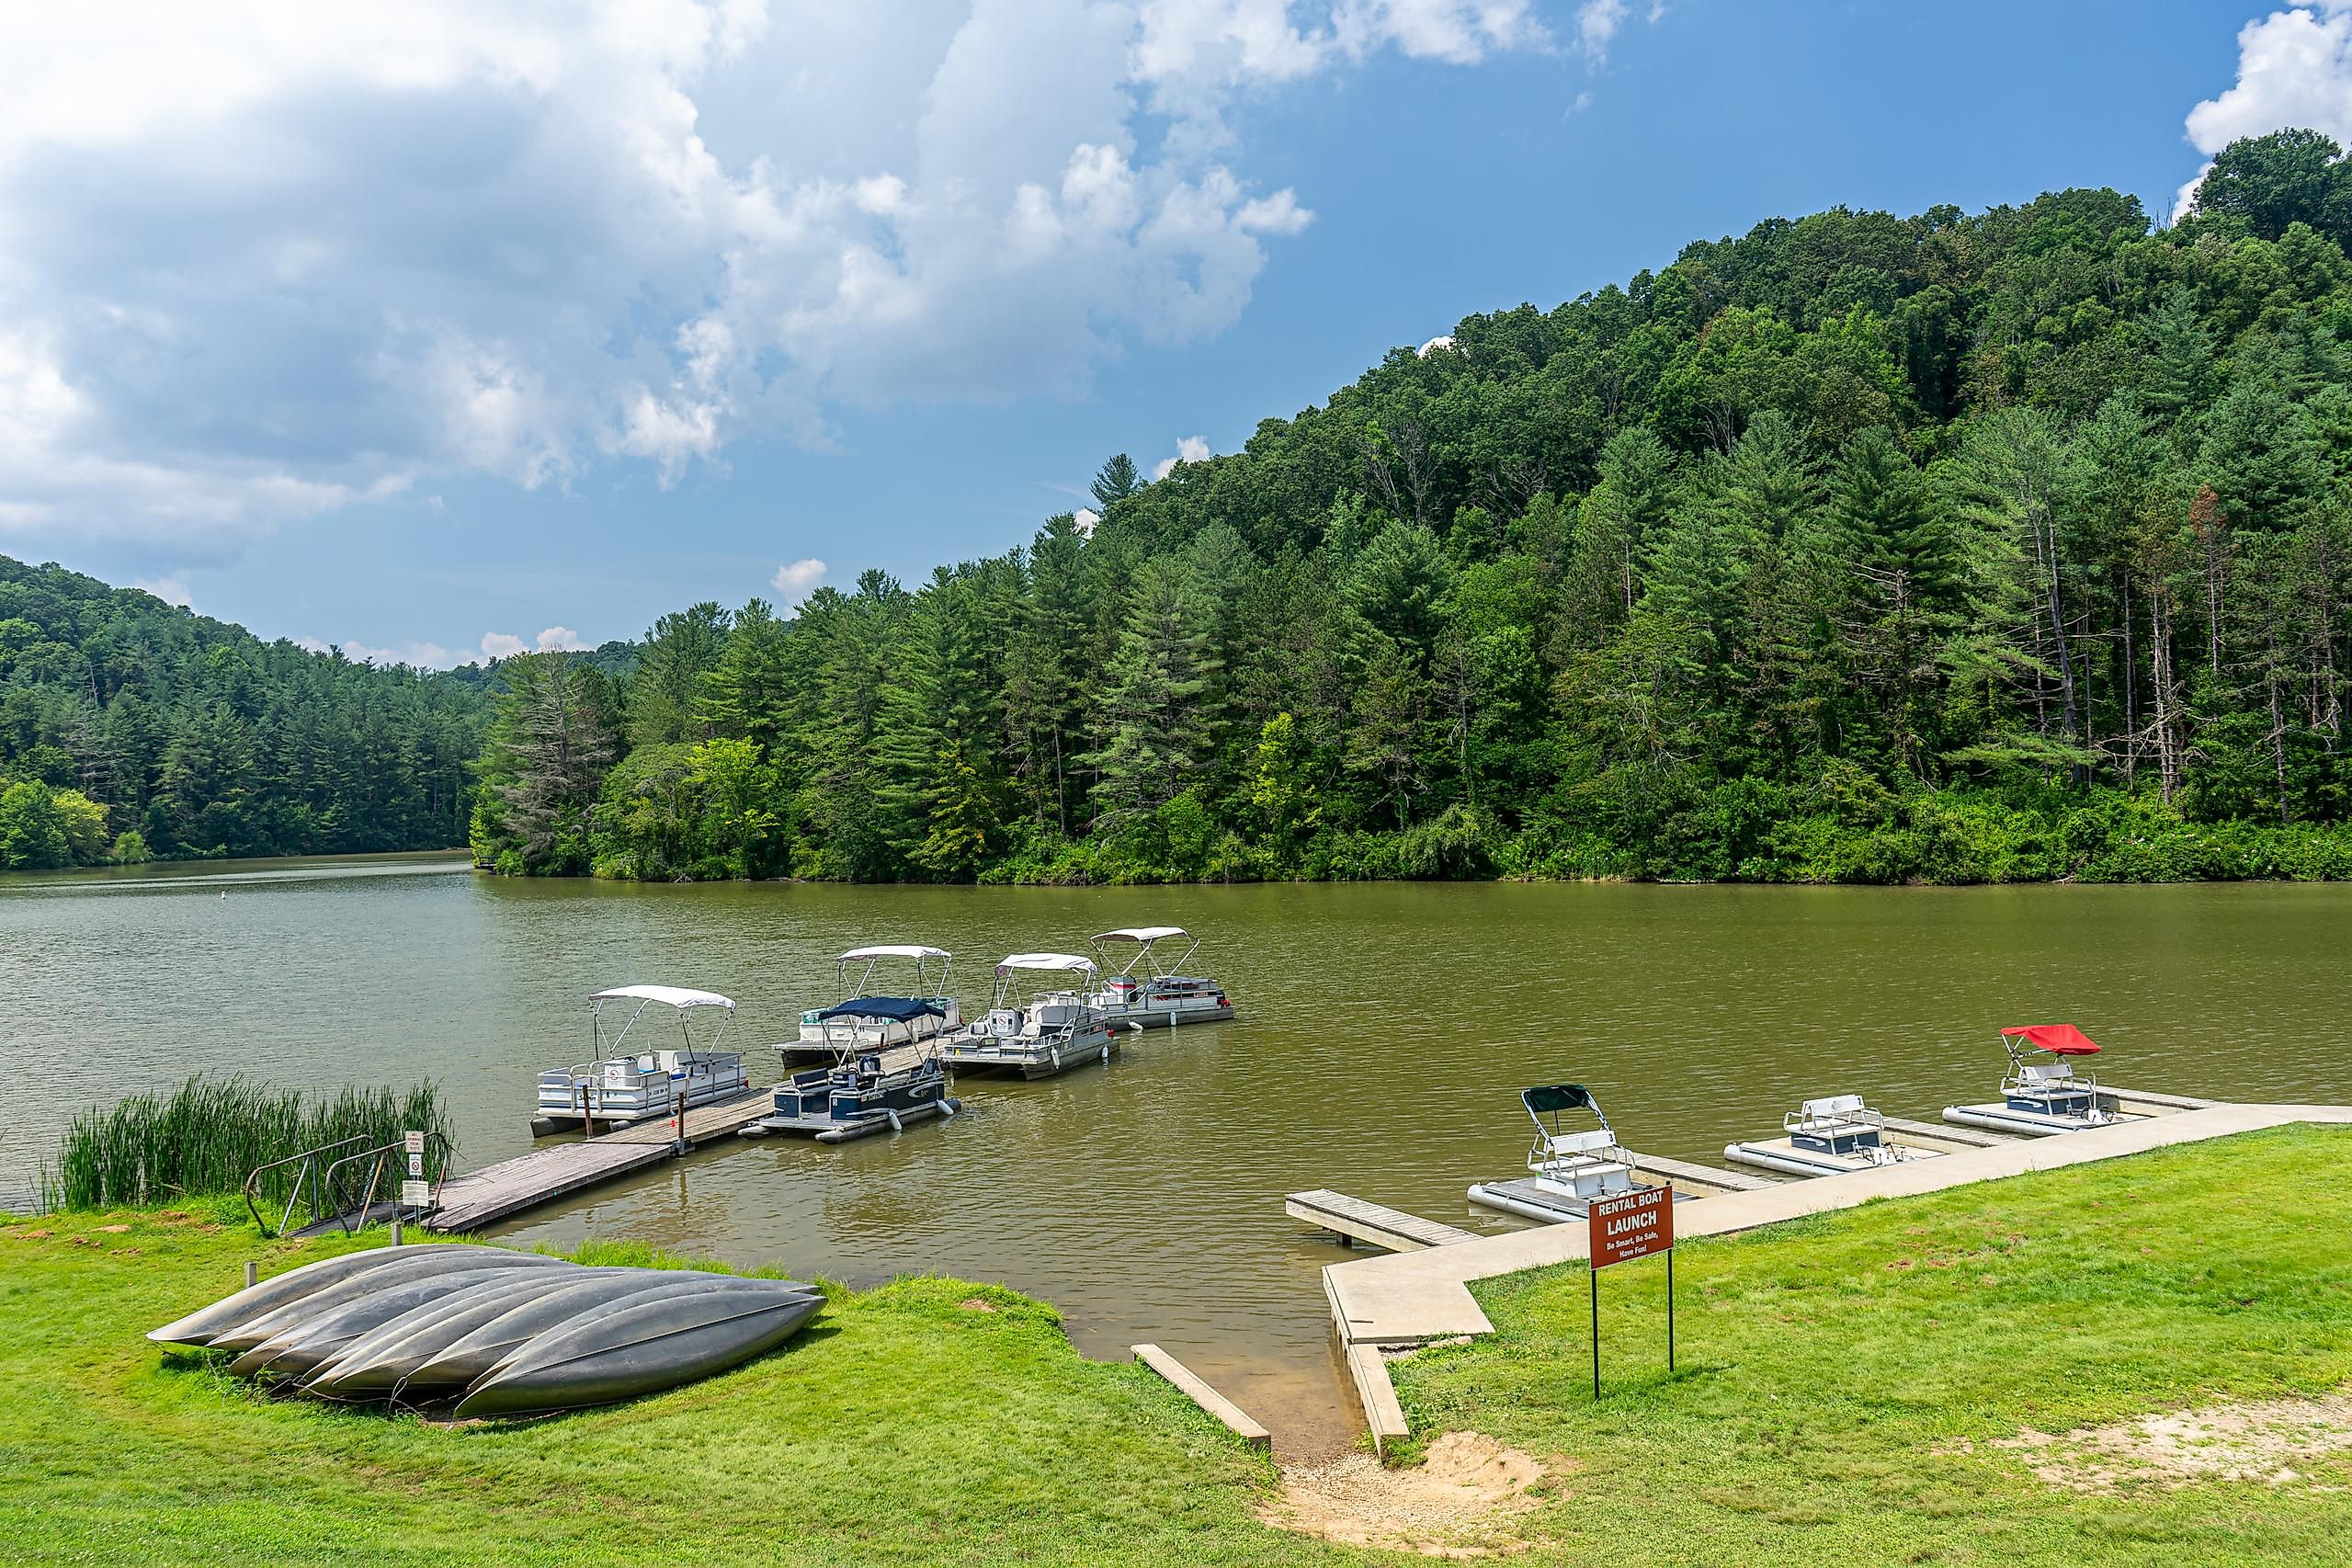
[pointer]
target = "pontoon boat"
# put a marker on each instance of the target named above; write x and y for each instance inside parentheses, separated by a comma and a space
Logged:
(2042, 1097)
(1143, 993)
(622, 1083)
(1566, 1171)
(871, 1087)
(1828, 1137)
(820, 1030)
(1040, 1029)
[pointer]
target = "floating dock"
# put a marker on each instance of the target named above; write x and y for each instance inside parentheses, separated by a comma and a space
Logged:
(1354, 1219)
(475, 1200)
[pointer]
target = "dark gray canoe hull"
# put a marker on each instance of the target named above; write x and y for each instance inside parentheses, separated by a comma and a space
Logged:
(393, 1270)
(198, 1327)
(373, 1365)
(299, 1348)
(643, 1348)
(491, 1345)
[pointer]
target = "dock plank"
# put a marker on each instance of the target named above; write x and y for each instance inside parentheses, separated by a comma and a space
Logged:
(2150, 1097)
(1195, 1388)
(1705, 1175)
(493, 1192)
(1359, 1219)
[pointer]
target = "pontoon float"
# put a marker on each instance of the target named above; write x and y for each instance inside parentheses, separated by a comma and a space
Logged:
(2039, 1098)
(623, 1082)
(1828, 1137)
(1142, 993)
(1038, 1028)
(1566, 1171)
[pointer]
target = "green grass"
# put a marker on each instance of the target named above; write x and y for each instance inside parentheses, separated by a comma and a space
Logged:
(1833, 1406)
(1840, 1378)
(206, 1136)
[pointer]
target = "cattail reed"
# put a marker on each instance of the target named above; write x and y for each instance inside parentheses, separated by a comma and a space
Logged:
(206, 1136)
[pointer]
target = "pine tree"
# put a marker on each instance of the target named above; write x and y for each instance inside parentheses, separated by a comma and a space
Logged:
(1158, 736)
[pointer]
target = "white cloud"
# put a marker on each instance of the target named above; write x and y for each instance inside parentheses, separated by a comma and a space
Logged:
(422, 655)
(1598, 22)
(795, 580)
(556, 636)
(503, 645)
(171, 590)
(449, 237)
(1447, 341)
(2294, 69)
(1189, 449)
(1086, 518)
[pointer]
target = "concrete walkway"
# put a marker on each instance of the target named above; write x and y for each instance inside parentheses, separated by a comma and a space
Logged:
(1405, 1299)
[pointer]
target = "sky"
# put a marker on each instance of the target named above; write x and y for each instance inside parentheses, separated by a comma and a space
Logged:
(455, 327)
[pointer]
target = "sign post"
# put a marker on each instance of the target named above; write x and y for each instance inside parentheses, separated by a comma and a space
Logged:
(1619, 1229)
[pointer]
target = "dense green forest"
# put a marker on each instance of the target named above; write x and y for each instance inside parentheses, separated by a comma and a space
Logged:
(130, 729)
(1954, 548)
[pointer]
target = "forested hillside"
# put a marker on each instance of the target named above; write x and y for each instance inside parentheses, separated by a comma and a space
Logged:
(130, 729)
(1952, 548)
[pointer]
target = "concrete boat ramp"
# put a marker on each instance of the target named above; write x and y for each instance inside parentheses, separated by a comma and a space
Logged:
(1398, 1301)
(475, 1200)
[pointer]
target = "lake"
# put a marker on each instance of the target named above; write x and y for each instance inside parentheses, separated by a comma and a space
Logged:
(1385, 1030)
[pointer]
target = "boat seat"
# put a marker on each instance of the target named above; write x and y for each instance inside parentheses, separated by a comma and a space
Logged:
(2054, 1073)
(1579, 1143)
(1836, 1108)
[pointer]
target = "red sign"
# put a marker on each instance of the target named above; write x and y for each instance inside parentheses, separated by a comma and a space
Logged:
(1631, 1225)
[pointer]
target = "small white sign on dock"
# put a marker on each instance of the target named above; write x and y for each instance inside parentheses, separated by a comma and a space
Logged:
(416, 1166)
(412, 1142)
(417, 1194)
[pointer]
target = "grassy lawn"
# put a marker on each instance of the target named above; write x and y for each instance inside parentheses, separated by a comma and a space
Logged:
(1842, 1382)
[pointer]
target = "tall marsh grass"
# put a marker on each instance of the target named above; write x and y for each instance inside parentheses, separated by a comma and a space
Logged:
(203, 1139)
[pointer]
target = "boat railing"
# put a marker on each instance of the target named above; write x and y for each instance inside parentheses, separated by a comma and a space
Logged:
(1836, 1111)
(318, 1174)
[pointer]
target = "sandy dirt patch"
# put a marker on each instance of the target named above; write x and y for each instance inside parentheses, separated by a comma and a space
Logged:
(2277, 1441)
(1457, 1502)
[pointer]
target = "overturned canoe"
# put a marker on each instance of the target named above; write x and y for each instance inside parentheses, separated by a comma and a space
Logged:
(198, 1327)
(487, 1347)
(644, 1347)
(244, 1336)
(373, 1365)
(309, 1341)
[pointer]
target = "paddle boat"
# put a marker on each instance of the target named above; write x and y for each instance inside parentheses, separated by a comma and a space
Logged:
(1567, 1172)
(871, 1087)
(1035, 1027)
(1141, 992)
(1828, 1137)
(820, 1030)
(2044, 1096)
(624, 1083)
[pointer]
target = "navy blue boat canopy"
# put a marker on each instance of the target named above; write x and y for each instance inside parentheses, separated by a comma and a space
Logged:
(1559, 1097)
(898, 1009)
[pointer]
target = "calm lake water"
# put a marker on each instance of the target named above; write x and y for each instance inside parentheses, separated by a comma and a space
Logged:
(1385, 1032)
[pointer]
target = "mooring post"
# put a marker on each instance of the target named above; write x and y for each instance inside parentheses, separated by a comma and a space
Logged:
(253, 1274)
(395, 1230)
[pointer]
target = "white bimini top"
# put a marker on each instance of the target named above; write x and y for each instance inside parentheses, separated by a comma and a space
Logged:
(1046, 961)
(1142, 934)
(676, 996)
(893, 951)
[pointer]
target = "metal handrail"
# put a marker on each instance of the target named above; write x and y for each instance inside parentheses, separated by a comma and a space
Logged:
(308, 1161)
(356, 1214)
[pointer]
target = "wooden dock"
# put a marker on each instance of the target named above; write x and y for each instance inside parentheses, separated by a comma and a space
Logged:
(1196, 1389)
(475, 1200)
(1353, 1219)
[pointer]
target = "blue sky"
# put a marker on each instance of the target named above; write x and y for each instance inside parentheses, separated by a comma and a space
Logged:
(484, 327)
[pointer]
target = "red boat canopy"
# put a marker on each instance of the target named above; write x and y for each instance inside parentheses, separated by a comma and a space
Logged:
(2059, 1040)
